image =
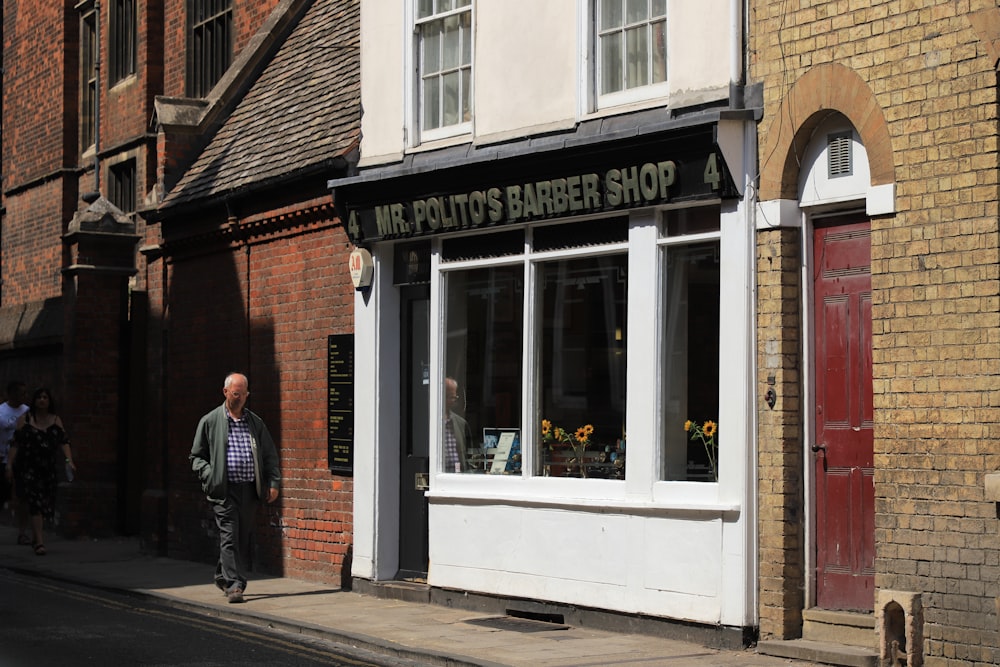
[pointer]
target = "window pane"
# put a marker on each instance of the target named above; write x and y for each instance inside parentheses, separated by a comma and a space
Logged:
(431, 47)
(697, 220)
(425, 8)
(450, 98)
(452, 43)
(636, 10)
(466, 38)
(88, 90)
(611, 14)
(431, 102)
(691, 361)
(659, 8)
(659, 31)
(445, 6)
(483, 356)
(611, 63)
(466, 95)
(637, 54)
(582, 367)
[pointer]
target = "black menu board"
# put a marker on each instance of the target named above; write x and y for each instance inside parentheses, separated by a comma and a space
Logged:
(340, 403)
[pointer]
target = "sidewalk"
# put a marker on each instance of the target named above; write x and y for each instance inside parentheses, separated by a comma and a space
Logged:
(430, 634)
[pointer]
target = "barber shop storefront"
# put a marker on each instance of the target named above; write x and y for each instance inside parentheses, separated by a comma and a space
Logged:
(553, 353)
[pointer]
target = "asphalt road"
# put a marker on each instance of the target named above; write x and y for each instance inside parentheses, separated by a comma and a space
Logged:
(47, 623)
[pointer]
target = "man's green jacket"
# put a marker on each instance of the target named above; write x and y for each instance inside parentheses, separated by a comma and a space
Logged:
(208, 454)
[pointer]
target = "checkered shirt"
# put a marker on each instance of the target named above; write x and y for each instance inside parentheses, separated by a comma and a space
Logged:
(451, 462)
(239, 455)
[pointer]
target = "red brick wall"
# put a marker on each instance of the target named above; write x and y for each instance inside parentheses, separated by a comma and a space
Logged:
(301, 289)
(31, 243)
(248, 18)
(174, 44)
(92, 356)
(38, 75)
(295, 280)
(34, 142)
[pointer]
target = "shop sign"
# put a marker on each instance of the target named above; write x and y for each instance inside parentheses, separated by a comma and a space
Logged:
(636, 185)
(362, 267)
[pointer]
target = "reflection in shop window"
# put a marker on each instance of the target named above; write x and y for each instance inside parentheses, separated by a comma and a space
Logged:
(582, 367)
(483, 352)
(691, 361)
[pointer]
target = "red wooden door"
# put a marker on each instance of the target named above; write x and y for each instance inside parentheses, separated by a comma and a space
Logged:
(843, 449)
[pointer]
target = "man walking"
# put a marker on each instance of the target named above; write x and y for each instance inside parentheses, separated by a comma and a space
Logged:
(236, 460)
(10, 411)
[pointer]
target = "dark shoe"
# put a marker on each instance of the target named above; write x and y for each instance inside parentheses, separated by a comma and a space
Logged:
(235, 594)
(40, 551)
(221, 585)
(23, 539)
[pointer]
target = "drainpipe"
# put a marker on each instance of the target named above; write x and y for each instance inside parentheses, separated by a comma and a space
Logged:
(97, 97)
(736, 30)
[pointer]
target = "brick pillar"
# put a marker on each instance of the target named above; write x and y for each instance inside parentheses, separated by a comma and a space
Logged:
(101, 243)
(781, 521)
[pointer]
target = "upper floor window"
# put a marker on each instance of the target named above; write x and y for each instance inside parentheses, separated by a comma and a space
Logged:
(444, 48)
(88, 77)
(121, 185)
(211, 45)
(121, 47)
(631, 49)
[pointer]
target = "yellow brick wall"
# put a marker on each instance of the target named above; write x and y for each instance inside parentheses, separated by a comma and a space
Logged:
(930, 97)
(779, 465)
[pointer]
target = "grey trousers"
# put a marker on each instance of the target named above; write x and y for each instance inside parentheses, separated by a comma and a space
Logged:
(235, 519)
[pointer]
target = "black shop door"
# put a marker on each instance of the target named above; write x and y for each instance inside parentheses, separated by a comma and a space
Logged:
(414, 423)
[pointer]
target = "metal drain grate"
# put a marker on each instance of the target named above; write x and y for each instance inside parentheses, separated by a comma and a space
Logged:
(516, 624)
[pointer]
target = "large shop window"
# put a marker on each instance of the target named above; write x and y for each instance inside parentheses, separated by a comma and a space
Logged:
(582, 367)
(576, 277)
(485, 321)
(691, 345)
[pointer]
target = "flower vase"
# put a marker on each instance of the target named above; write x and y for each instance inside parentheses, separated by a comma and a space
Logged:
(578, 453)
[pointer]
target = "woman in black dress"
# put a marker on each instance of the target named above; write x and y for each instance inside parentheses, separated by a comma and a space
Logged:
(38, 439)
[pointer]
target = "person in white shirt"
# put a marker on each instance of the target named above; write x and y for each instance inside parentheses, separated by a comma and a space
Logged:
(10, 410)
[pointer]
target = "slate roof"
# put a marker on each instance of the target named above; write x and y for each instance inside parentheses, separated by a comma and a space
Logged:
(303, 111)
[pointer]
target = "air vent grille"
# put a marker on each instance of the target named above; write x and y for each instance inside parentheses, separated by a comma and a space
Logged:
(839, 159)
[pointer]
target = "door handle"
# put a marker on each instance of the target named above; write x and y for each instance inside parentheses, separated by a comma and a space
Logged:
(819, 448)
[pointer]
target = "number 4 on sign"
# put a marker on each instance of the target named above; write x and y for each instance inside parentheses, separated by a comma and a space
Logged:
(711, 175)
(352, 226)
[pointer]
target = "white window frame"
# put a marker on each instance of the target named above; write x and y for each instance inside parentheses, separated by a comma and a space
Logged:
(629, 96)
(530, 259)
(643, 485)
(413, 93)
(663, 244)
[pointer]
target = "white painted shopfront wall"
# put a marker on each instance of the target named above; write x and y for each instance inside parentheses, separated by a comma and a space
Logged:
(645, 545)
